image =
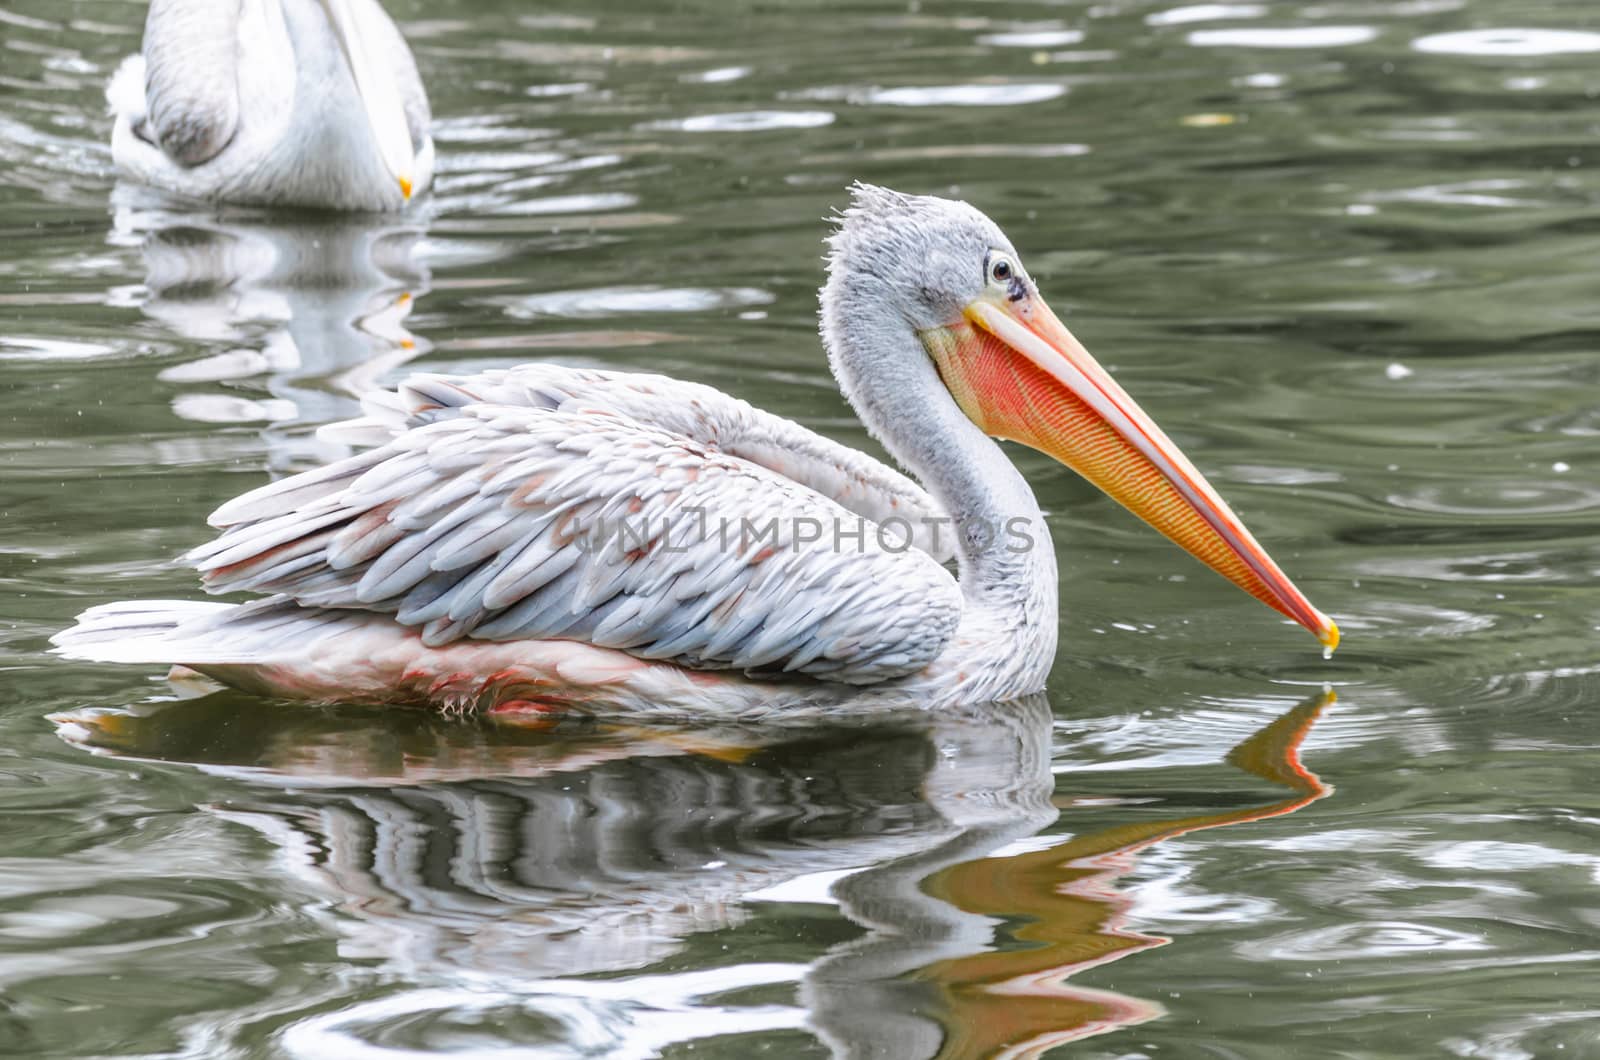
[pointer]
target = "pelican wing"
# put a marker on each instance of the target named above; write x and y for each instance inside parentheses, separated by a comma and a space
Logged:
(696, 412)
(394, 54)
(191, 89)
(511, 521)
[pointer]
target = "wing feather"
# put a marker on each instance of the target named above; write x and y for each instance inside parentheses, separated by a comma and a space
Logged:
(396, 57)
(295, 492)
(191, 50)
(692, 411)
(505, 522)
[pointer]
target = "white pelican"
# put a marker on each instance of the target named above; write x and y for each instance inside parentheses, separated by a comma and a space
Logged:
(274, 102)
(543, 537)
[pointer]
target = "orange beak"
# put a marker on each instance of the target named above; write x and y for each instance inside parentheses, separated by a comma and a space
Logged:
(1016, 370)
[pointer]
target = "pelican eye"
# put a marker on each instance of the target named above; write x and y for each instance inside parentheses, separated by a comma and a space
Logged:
(1006, 274)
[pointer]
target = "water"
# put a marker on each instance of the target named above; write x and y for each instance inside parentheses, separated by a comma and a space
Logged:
(1344, 252)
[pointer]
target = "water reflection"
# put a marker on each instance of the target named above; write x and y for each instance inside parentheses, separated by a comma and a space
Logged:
(298, 312)
(1016, 1002)
(506, 873)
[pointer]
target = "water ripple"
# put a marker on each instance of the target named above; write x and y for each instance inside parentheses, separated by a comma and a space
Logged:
(718, 75)
(1178, 16)
(1522, 497)
(583, 203)
(1509, 42)
(587, 1019)
(962, 95)
(1492, 856)
(1297, 37)
(1350, 942)
(38, 348)
(610, 301)
(746, 121)
(1033, 38)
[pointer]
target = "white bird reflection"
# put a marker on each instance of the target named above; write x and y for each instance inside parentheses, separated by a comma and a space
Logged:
(508, 876)
(301, 311)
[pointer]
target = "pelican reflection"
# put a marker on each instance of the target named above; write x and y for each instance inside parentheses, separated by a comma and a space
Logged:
(1019, 1002)
(494, 870)
(298, 312)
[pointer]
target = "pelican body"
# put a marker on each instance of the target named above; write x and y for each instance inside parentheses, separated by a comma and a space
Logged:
(311, 103)
(543, 537)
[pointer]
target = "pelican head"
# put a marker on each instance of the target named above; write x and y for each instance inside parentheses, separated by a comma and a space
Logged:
(944, 272)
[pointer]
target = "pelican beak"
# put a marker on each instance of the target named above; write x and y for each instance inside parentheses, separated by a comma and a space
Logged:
(1016, 370)
(380, 96)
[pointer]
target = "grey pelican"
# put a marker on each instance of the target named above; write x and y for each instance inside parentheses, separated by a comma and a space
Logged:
(542, 537)
(275, 102)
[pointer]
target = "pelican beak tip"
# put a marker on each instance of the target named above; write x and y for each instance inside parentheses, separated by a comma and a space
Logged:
(1329, 636)
(405, 188)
